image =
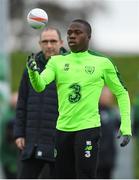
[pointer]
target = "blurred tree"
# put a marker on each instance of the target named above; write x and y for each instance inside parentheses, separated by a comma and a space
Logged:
(60, 15)
(17, 64)
(16, 9)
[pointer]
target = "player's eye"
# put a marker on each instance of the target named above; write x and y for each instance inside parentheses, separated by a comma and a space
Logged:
(69, 32)
(78, 32)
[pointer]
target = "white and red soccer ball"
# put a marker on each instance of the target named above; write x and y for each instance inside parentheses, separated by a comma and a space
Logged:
(37, 18)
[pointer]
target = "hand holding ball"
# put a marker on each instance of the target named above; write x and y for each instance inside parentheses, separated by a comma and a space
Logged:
(37, 18)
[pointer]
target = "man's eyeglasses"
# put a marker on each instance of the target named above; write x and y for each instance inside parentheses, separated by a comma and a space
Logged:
(53, 41)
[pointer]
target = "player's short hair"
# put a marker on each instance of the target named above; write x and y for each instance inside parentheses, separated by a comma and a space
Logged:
(52, 28)
(87, 25)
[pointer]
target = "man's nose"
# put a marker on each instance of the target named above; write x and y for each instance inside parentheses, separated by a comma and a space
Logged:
(49, 44)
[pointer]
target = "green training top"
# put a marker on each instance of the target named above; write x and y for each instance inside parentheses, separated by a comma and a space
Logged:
(80, 78)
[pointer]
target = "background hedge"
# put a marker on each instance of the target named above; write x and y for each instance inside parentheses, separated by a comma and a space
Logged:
(127, 65)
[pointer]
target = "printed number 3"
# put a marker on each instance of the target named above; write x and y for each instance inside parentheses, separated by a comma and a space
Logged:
(75, 96)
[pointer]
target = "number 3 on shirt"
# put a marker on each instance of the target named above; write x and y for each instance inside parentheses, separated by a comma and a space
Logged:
(75, 95)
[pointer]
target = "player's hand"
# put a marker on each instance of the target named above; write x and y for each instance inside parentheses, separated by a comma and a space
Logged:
(125, 139)
(20, 143)
(31, 63)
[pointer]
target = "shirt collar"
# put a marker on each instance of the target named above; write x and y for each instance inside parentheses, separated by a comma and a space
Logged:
(84, 53)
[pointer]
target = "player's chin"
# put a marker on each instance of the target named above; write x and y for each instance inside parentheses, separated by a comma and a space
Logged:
(73, 47)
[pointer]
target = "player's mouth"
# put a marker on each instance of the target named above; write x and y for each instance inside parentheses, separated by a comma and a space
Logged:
(72, 43)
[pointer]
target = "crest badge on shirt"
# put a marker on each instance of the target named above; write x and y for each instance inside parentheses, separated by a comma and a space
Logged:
(89, 69)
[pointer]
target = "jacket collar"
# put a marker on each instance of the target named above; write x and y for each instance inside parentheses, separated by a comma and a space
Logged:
(40, 56)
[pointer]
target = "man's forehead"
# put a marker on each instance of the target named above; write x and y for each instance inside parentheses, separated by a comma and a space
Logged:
(50, 34)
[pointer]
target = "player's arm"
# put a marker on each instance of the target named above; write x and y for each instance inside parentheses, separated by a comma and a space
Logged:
(112, 80)
(39, 81)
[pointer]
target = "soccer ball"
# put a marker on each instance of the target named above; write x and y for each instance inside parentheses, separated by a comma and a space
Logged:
(37, 18)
